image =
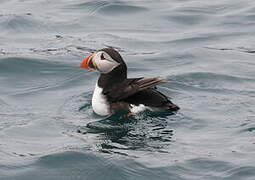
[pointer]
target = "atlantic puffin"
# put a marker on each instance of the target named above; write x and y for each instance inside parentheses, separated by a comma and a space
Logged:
(115, 92)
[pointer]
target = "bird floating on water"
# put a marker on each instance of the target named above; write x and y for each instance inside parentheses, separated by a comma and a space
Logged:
(115, 92)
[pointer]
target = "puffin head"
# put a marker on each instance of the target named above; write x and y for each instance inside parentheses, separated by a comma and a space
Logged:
(106, 61)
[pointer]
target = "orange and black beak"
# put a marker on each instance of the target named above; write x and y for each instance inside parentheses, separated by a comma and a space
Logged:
(88, 63)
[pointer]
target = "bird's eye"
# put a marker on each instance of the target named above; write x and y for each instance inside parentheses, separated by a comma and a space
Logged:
(102, 56)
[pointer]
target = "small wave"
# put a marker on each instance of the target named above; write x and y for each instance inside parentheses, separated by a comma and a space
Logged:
(240, 49)
(70, 164)
(26, 76)
(109, 8)
(21, 23)
(91, 6)
(56, 45)
(192, 39)
(52, 85)
(77, 109)
(82, 165)
(120, 9)
(10, 119)
(207, 81)
(186, 19)
(203, 168)
(248, 127)
(246, 172)
(3, 103)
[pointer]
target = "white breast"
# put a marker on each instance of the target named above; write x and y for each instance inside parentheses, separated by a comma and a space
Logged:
(99, 102)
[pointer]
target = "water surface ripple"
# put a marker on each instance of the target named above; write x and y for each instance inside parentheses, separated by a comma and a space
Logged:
(205, 49)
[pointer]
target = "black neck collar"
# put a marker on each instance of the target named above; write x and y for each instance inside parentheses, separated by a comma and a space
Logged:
(117, 75)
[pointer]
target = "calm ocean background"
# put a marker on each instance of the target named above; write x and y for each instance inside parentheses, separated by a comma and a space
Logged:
(206, 50)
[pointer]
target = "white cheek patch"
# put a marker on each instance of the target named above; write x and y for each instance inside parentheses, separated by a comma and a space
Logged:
(105, 66)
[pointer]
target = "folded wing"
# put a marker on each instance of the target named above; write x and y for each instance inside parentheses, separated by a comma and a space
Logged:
(130, 87)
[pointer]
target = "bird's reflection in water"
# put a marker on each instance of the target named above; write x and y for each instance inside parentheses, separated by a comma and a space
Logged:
(148, 131)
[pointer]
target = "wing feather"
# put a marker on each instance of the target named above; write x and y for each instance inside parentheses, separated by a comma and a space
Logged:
(149, 82)
(131, 86)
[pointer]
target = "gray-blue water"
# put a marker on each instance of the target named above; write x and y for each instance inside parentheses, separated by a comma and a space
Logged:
(205, 49)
